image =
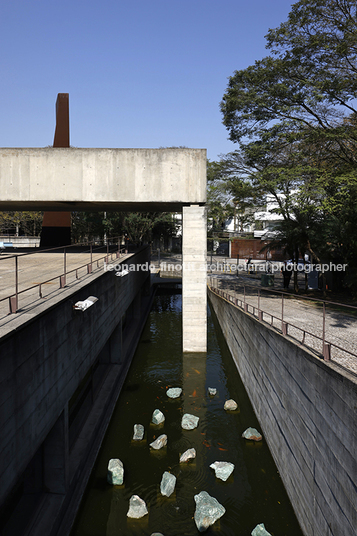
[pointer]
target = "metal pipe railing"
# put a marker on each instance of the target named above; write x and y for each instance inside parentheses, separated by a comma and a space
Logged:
(13, 298)
(326, 346)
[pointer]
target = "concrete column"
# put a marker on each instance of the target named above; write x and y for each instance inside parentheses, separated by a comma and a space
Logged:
(194, 275)
(56, 457)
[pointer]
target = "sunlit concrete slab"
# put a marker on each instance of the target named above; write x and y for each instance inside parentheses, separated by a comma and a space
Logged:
(101, 179)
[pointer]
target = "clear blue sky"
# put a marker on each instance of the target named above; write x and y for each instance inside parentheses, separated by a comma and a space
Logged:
(138, 73)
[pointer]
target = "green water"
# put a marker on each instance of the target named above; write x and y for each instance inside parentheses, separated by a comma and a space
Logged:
(253, 494)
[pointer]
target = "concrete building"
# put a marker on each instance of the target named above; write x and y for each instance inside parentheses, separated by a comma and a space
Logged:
(268, 218)
(61, 370)
(61, 179)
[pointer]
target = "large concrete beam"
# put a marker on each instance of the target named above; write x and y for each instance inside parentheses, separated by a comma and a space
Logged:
(194, 279)
(101, 179)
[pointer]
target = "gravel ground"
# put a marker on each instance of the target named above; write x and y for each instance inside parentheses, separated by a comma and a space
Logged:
(301, 315)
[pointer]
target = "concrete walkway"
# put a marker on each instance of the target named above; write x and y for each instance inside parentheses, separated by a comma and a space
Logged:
(40, 267)
(304, 315)
(45, 268)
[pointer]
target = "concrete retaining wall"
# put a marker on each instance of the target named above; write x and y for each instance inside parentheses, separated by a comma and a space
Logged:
(21, 241)
(43, 362)
(307, 411)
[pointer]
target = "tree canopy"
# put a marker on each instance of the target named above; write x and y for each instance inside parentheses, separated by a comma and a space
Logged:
(137, 227)
(294, 116)
(21, 223)
(307, 86)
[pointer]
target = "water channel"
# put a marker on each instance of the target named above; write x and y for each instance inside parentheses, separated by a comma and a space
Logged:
(253, 494)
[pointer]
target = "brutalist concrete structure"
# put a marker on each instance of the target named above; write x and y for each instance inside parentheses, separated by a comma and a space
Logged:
(61, 371)
(121, 179)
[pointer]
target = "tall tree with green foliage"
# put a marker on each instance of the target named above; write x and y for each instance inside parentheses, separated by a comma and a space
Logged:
(218, 203)
(136, 227)
(20, 223)
(294, 116)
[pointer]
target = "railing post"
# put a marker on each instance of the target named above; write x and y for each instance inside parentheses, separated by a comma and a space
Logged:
(260, 313)
(91, 255)
(326, 347)
(327, 352)
(245, 304)
(17, 282)
(282, 312)
(323, 325)
(63, 282)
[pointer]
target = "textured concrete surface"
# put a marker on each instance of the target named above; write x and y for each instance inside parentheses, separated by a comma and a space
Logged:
(307, 411)
(194, 279)
(46, 353)
(101, 179)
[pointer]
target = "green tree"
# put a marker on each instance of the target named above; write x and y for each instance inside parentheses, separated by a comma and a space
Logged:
(21, 223)
(218, 203)
(142, 227)
(87, 226)
(137, 227)
(294, 117)
(244, 192)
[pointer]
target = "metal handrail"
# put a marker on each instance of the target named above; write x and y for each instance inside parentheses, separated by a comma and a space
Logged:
(326, 345)
(298, 297)
(110, 241)
(13, 298)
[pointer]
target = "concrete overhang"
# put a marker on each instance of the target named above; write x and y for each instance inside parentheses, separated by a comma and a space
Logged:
(101, 179)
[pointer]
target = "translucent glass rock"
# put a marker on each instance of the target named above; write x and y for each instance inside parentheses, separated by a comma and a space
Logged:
(115, 473)
(189, 454)
(174, 392)
(138, 432)
(208, 510)
(160, 442)
(212, 391)
(158, 417)
(168, 483)
(253, 434)
(230, 405)
(189, 422)
(223, 470)
(137, 507)
(260, 531)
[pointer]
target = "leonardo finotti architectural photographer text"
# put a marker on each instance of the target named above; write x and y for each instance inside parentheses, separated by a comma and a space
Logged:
(226, 267)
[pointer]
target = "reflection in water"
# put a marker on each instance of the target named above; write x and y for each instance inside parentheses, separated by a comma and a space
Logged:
(253, 494)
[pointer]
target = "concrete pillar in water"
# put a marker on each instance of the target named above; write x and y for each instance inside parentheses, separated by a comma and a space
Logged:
(194, 279)
(56, 457)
